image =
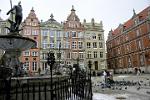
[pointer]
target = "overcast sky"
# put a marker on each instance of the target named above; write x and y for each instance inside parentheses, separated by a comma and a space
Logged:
(111, 12)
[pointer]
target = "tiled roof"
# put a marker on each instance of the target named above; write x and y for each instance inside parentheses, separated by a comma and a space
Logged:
(142, 15)
(73, 16)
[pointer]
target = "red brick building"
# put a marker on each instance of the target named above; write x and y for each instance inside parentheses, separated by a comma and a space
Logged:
(74, 39)
(128, 46)
(31, 28)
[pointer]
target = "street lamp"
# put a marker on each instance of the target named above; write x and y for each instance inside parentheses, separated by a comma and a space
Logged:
(50, 62)
(90, 64)
(59, 53)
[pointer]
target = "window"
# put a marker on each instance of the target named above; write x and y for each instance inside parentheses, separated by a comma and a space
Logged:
(26, 65)
(68, 55)
(44, 66)
(34, 32)
(34, 66)
(68, 63)
(52, 33)
(58, 44)
(127, 47)
(118, 41)
(126, 37)
(100, 44)
(80, 34)
(44, 56)
(74, 34)
(96, 65)
(44, 46)
(27, 32)
(139, 44)
(67, 44)
(51, 45)
(44, 39)
(74, 55)
(94, 44)
(136, 21)
(74, 45)
(141, 59)
(67, 34)
(34, 53)
(89, 54)
(80, 45)
(129, 62)
(88, 45)
(58, 34)
(137, 32)
(45, 32)
(119, 50)
(81, 55)
(27, 53)
(88, 36)
(94, 36)
(100, 37)
(101, 55)
(51, 42)
(95, 54)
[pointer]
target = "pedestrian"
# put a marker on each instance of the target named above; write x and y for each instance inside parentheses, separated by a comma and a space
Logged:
(105, 76)
(138, 72)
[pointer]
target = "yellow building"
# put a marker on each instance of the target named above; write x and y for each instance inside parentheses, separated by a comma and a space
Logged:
(95, 45)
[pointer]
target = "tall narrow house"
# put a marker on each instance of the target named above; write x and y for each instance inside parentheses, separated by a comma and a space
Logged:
(95, 46)
(51, 40)
(74, 40)
(31, 28)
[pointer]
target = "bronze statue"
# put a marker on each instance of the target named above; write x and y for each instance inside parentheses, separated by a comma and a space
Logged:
(18, 17)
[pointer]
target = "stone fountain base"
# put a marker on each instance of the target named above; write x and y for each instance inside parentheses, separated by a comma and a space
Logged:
(13, 45)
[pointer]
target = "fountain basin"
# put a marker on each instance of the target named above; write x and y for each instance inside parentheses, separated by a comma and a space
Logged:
(10, 42)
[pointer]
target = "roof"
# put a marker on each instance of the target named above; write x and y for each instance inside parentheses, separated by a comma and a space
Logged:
(142, 15)
(73, 16)
(51, 21)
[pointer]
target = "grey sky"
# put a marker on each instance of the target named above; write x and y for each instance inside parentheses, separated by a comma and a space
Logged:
(111, 12)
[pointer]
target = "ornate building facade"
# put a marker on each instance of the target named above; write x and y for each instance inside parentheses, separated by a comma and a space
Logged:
(74, 40)
(69, 41)
(128, 46)
(95, 45)
(31, 28)
(51, 40)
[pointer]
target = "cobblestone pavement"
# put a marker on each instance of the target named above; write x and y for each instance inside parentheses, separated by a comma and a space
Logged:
(139, 91)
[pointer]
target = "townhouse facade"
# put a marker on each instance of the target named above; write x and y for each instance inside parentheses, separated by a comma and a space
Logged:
(128, 46)
(74, 39)
(71, 41)
(95, 45)
(31, 29)
(51, 41)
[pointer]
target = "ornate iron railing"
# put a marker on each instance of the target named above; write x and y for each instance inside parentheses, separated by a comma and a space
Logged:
(64, 88)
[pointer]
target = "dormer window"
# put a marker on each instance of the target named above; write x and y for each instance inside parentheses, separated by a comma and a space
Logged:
(136, 21)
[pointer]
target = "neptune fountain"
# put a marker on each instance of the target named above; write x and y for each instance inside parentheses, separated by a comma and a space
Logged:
(13, 44)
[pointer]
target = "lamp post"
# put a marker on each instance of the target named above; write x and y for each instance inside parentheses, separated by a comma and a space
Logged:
(50, 62)
(59, 53)
(89, 65)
